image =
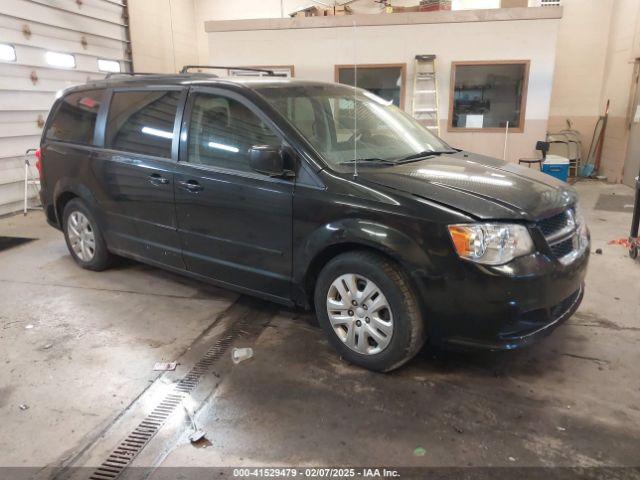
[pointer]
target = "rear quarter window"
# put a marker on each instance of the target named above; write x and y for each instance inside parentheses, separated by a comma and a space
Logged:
(74, 119)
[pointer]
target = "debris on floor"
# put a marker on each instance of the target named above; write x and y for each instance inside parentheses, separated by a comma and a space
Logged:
(625, 242)
(241, 354)
(598, 251)
(24, 406)
(197, 437)
(28, 327)
(165, 366)
(419, 452)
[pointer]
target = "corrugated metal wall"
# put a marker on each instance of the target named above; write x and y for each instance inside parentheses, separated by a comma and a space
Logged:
(87, 29)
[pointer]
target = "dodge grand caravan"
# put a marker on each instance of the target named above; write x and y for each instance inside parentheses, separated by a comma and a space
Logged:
(317, 195)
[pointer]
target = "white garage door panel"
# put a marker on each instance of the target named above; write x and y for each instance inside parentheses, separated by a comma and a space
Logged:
(14, 100)
(102, 10)
(13, 175)
(40, 42)
(53, 25)
(27, 10)
(23, 83)
(11, 197)
(43, 30)
(72, 77)
(11, 116)
(19, 129)
(12, 163)
(16, 146)
(35, 57)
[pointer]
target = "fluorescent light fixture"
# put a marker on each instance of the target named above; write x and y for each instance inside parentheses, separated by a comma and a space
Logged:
(111, 66)
(61, 60)
(157, 133)
(222, 146)
(7, 53)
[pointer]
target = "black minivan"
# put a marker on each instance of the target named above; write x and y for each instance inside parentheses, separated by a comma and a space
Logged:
(317, 195)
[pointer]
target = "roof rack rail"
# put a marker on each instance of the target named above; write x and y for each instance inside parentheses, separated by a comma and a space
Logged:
(186, 69)
(132, 74)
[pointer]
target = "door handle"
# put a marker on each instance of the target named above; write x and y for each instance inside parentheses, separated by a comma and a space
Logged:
(157, 179)
(191, 185)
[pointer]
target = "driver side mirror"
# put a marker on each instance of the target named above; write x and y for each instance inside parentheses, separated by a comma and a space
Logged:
(269, 160)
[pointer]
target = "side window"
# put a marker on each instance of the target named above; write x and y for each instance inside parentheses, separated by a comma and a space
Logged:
(75, 119)
(222, 131)
(142, 122)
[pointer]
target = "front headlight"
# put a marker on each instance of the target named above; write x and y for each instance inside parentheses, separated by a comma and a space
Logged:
(491, 243)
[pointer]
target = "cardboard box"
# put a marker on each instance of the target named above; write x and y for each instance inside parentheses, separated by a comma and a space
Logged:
(434, 5)
(415, 8)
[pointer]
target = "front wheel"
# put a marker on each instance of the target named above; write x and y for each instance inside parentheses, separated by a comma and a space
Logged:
(369, 310)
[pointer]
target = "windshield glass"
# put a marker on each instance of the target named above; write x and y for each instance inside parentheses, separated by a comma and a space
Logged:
(327, 115)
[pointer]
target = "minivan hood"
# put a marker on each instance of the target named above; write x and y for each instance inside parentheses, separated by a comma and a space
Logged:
(481, 186)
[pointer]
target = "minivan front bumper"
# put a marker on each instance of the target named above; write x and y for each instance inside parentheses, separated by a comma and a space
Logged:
(507, 307)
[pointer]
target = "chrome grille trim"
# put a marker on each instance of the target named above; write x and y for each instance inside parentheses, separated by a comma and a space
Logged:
(560, 229)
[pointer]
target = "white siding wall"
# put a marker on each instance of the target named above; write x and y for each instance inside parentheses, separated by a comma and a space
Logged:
(89, 30)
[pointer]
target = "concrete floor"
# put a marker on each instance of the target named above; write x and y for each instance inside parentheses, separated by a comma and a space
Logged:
(78, 349)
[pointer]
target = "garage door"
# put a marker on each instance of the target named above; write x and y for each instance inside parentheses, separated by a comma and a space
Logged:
(45, 46)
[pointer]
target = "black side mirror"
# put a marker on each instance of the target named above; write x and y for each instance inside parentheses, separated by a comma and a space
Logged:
(268, 159)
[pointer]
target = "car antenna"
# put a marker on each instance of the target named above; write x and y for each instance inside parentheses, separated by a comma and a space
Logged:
(355, 107)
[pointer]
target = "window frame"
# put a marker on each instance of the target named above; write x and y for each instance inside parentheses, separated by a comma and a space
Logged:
(364, 66)
(523, 99)
(226, 93)
(103, 117)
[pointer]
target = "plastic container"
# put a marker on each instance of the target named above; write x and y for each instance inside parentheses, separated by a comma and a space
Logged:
(556, 166)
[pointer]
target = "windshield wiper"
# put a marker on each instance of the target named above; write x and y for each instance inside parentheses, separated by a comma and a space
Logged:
(372, 159)
(424, 154)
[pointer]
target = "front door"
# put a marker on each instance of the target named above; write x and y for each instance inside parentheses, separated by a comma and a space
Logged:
(234, 223)
(632, 162)
(135, 172)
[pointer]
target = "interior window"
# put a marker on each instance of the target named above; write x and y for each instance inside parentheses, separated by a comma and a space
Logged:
(75, 119)
(223, 130)
(488, 95)
(142, 122)
(385, 81)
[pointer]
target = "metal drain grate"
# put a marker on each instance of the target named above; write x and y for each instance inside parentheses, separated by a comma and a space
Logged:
(135, 441)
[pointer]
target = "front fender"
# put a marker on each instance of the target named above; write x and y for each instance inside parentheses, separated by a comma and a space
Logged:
(366, 233)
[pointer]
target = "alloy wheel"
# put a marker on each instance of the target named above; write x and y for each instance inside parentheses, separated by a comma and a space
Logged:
(81, 236)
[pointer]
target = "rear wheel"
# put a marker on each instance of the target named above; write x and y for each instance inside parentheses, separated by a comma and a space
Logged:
(83, 236)
(369, 311)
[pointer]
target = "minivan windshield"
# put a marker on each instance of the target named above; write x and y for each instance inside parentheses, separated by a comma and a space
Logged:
(342, 123)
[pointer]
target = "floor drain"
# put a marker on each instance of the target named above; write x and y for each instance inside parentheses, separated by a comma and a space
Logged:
(138, 438)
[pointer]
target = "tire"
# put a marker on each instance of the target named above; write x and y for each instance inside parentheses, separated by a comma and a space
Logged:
(633, 251)
(399, 330)
(93, 255)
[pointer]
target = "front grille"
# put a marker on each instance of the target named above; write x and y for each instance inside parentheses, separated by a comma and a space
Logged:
(562, 248)
(561, 233)
(554, 224)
